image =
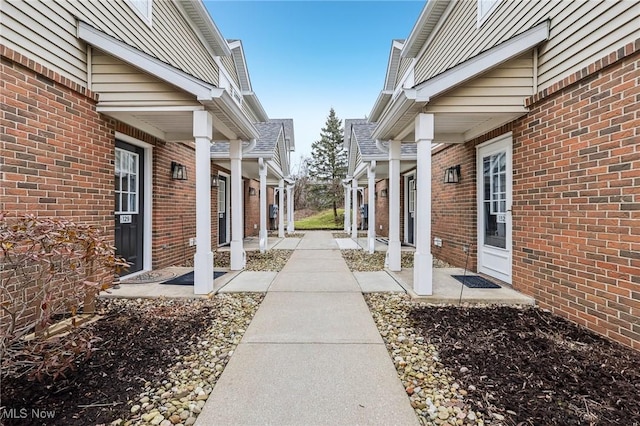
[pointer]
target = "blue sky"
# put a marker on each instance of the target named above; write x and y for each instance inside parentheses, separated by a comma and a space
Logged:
(305, 57)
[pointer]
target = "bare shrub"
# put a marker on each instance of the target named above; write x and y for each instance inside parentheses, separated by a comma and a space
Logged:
(50, 269)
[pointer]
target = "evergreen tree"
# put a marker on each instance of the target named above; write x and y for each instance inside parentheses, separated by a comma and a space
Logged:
(328, 165)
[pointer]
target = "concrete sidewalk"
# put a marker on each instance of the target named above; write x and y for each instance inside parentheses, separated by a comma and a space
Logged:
(312, 354)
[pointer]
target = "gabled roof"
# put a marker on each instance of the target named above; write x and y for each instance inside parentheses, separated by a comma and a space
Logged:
(360, 131)
(271, 132)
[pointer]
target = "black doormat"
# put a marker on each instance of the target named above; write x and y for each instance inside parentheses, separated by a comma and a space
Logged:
(474, 281)
(187, 279)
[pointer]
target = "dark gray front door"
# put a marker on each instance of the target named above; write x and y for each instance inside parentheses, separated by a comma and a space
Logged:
(222, 209)
(129, 215)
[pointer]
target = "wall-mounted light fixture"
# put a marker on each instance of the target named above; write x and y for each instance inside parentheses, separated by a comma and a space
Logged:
(214, 181)
(252, 191)
(384, 192)
(452, 174)
(178, 171)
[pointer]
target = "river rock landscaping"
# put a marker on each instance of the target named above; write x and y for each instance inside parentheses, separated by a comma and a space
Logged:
(505, 365)
(155, 363)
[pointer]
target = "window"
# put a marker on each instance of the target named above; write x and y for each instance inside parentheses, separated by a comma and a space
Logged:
(143, 9)
(126, 176)
(484, 8)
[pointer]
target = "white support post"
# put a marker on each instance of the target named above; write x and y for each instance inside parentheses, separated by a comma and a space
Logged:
(354, 209)
(393, 252)
(290, 215)
(371, 229)
(203, 258)
(281, 208)
(264, 233)
(423, 260)
(347, 209)
(238, 255)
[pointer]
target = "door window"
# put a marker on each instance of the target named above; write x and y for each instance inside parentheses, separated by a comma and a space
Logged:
(495, 199)
(412, 195)
(126, 182)
(222, 196)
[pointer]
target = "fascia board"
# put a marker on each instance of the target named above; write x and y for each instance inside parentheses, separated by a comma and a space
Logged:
(378, 107)
(256, 106)
(398, 107)
(483, 62)
(235, 113)
(275, 169)
(360, 170)
(198, 13)
(410, 48)
(145, 62)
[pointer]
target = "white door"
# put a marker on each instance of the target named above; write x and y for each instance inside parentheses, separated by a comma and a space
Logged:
(494, 171)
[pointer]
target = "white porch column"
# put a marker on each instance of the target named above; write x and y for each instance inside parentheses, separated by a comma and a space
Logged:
(347, 208)
(264, 233)
(423, 260)
(354, 210)
(371, 232)
(238, 255)
(393, 252)
(290, 216)
(203, 258)
(281, 208)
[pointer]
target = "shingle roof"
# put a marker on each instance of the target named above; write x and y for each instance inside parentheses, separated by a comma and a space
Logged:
(362, 131)
(269, 134)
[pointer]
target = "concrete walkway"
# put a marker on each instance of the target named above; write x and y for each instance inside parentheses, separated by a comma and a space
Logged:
(312, 354)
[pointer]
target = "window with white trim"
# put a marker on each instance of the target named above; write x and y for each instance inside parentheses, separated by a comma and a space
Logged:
(484, 7)
(126, 181)
(142, 8)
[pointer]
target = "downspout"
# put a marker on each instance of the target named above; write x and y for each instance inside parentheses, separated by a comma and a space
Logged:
(252, 144)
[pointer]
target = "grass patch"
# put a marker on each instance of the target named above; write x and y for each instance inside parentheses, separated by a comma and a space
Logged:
(321, 220)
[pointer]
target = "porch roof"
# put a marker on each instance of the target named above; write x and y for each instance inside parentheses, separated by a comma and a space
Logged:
(460, 118)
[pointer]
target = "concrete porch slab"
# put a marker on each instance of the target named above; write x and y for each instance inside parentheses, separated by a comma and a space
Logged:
(149, 290)
(308, 384)
(301, 281)
(312, 318)
(326, 264)
(448, 290)
(377, 281)
(347, 244)
(249, 281)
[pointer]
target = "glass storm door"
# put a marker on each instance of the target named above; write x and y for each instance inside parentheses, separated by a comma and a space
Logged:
(222, 210)
(494, 208)
(128, 205)
(411, 209)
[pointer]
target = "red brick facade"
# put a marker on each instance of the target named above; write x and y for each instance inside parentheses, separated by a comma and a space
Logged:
(576, 198)
(58, 159)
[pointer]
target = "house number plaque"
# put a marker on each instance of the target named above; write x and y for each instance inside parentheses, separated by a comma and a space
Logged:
(125, 218)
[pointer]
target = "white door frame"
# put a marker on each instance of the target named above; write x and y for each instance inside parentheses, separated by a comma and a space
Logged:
(148, 204)
(227, 197)
(495, 261)
(406, 208)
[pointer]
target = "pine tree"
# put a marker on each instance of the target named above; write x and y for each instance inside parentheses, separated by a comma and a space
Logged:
(328, 165)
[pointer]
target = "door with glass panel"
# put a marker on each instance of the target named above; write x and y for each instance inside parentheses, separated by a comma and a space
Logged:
(129, 215)
(411, 209)
(494, 208)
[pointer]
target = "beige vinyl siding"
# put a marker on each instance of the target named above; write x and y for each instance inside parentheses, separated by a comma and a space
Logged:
(405, 63)
(502, 87)
(580, 32)
(249, 112)
(229, 66)
(28, 28)
(45, 31)
(122, 84)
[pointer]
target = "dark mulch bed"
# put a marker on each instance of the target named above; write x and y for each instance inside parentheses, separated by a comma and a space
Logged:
(140, 343)
(533, 367)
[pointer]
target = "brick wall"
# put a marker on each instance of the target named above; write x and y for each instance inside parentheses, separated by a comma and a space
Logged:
(251, 208)
(576, 205)
(382, 208)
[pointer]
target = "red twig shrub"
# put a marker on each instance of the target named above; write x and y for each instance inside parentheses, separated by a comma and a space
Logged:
(49, 269)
